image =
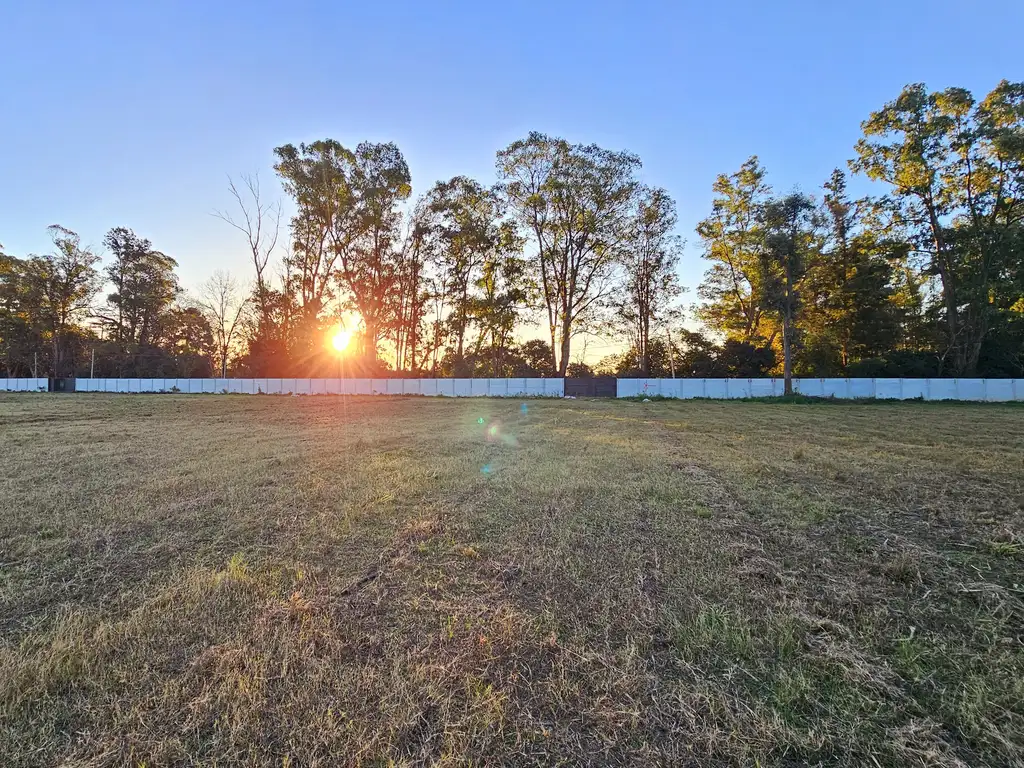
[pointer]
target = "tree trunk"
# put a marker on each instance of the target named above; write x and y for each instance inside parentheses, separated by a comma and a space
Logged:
(563, 364)
(554, 348)
(787, 363)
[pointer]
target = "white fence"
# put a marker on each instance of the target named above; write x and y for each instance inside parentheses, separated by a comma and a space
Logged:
(23, 385)
(992, 390)
(436, 387)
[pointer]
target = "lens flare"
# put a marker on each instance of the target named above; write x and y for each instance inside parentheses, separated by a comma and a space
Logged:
(341, 339)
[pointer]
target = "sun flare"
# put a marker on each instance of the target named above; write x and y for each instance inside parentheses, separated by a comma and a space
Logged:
(340, 339)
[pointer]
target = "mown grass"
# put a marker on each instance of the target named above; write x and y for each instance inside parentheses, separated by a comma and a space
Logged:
(374, 581)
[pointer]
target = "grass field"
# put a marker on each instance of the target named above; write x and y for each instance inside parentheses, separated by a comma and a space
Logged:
(374, 581)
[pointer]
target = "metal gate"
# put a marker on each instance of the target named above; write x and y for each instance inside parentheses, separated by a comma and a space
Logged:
(595, 386)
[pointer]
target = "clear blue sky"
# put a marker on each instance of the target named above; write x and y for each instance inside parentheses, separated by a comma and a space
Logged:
(133, 113)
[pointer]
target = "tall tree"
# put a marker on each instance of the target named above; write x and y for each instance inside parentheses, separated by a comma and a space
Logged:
(574, 201)
(259, 221)
(789, 240)
(734, 243)
(368, 240)
(462, 230)
(502, 294)
(650, 259)
(850, 305)
(17, 336)
(223, 303)
(408, 330)
(956, 170)
(317, 176)
(184, 344)
(346, 232)
(56, 293)
(145, 286)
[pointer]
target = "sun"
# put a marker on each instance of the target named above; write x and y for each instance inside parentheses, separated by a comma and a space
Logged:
(340, 339)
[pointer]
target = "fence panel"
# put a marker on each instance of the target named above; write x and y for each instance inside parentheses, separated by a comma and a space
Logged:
(737, 388)
(941, 389)
(911, 389)
(809, 387)
(839, 388)
(762, 387)
(970, 389)
(24, 384)
(992, 390)
(629, 387)
(889, 389)
(690, 389)
(861, 388)
(999, 390)
(717, 388)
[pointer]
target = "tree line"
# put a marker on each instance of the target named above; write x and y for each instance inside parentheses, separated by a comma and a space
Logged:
(926, 279)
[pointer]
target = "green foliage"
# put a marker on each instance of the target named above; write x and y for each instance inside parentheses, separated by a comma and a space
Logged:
(575, 202)
(733, 237)
(645, 301)
(926, 280)
(42, 301)
(955, 169)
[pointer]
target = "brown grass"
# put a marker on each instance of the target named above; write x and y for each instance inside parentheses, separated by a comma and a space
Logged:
(373, 581)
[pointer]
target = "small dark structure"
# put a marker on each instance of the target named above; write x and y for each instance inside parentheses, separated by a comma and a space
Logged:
(592, 386)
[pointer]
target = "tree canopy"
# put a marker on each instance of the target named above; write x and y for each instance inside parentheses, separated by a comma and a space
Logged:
(924, 278)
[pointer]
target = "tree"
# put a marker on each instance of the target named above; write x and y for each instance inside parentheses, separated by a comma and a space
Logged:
(17, 337)
(789, 238)
(316, 176)
(650, 259)
(850, 295)
(184, 343)
(579, 370)
(260, 223)
(144, 284)
(734, 243)
(743, 360)
(368, 243)
(51, 294)
(408, 329)
(956, 170)
(479, 276)
(224, 304)
(537, 355)
(461, 219)
(574, 201)
(346, 231)
(502, 294)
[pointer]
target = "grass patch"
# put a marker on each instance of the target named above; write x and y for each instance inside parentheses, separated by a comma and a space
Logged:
(398, 581)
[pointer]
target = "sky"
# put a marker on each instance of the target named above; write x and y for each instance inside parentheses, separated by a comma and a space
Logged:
(135, 113)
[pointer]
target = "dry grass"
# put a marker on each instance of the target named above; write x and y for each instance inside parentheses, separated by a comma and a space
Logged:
(375, 582)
